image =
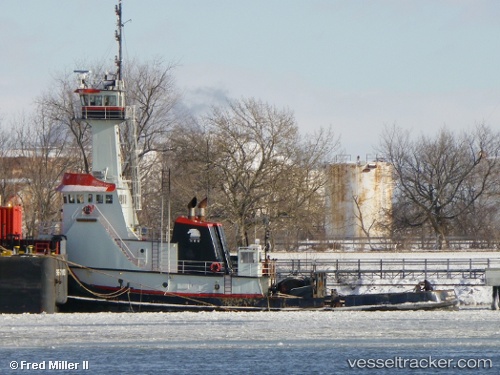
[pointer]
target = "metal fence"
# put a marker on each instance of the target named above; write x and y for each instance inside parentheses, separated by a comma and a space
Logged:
(386, 244)
(340, 272)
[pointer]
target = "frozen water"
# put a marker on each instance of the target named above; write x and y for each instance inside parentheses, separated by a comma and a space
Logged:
(305, 342)
(312, 342)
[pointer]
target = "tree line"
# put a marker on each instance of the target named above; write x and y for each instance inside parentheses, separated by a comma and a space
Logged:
(261, 176)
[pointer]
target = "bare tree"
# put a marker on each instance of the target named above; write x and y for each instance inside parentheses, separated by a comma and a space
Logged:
(365, 225)
(480, 222)
(256, 169)
(172, 156)
(298, 201)
(439, 179)
(8, 168)
(151, 91)
(45, 154)
(60, 106)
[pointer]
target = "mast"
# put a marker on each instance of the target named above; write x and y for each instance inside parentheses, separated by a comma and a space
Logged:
(105, 110)
(130, 115)
(118, 37)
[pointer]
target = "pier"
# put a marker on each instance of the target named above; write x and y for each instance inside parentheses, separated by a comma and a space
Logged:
(449, 272)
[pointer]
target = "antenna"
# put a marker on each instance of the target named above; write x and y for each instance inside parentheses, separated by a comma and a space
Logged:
(82, 77)
(118, 37)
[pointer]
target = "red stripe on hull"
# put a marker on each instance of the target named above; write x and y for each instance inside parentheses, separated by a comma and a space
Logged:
(180, 294)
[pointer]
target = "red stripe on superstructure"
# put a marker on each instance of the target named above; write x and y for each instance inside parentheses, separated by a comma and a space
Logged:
(84, 179)
(185, 220)
(102, 108)
(87, 91)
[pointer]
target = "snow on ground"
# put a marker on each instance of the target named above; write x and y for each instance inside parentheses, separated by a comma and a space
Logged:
(345, 255)
(471, 292)
(468, 295)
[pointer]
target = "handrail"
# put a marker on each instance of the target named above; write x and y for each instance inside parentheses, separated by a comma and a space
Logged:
(200, 267)
(356, 263)
(118, 240)
(105, 113)
(382, 267)
(387, 244)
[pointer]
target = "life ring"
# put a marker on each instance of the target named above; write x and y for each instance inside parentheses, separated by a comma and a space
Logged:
(215, 267)
(87, 210)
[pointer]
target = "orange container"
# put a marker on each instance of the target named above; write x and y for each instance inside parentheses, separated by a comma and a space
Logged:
(11, 221)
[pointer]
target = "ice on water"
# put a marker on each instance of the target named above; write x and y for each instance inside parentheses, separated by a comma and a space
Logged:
(314, 342)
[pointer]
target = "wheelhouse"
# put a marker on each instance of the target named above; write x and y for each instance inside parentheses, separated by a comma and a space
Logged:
(102, 104)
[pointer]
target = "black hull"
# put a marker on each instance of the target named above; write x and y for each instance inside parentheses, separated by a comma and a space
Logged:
(425, 300)
(79, 300)
(32, 284)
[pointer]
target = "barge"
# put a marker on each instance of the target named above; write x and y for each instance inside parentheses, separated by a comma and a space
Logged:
(33, 273)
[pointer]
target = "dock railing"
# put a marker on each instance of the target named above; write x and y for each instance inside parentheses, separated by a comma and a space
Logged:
(423, 243)
(464, 271)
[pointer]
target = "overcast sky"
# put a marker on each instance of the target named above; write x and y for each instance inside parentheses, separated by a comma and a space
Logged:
(356, 66)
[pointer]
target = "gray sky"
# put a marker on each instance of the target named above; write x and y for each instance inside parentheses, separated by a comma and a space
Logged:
(353, 65)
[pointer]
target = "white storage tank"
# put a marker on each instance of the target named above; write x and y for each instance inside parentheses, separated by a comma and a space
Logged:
(359, 199)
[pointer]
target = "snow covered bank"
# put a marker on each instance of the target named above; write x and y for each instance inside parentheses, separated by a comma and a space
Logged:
(309, 255)
(471, 292)
(469, 295)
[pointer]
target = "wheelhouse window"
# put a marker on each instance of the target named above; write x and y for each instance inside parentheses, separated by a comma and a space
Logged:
(98, 198)
(79, 198)
(248, 257)
(102, 105)
(109, 198)
(96, 100)
(84, 99)
(71, 198)
(90, 198)
(110, 100)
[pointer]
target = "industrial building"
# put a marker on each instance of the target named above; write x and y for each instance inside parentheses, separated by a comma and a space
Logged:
(359, 199)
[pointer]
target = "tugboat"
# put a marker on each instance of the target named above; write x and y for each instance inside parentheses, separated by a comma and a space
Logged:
(114, 269)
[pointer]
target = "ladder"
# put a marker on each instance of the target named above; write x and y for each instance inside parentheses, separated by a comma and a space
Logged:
(228, 284)
(155, 256)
